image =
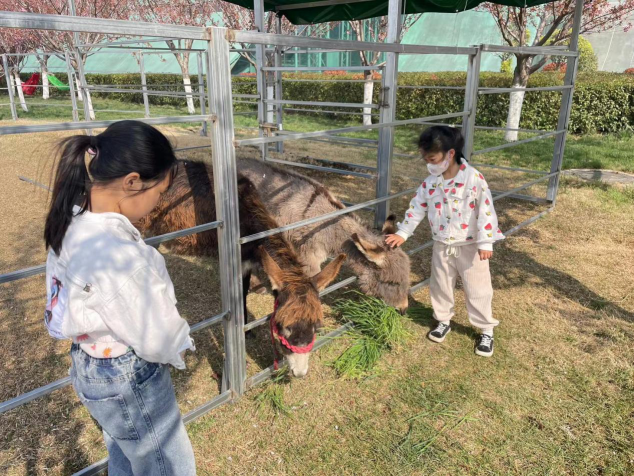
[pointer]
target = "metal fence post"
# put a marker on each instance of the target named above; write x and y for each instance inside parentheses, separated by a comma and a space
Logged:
(566, 104)
(7, 75)
(388, 114)
(278, 83)
(226, 189)
(258, 11)
(146, 101)
(201, 92)
(71, 86)
(471, 102)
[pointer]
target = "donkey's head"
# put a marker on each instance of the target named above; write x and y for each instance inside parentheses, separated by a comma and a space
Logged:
(299, 313)
(383, 272)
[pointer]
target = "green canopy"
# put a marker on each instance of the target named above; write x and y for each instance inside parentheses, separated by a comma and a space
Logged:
(360, 10)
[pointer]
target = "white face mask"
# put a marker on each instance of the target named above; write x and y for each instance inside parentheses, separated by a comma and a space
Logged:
(438, 169)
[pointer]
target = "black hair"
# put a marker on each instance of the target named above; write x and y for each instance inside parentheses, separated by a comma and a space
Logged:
(123, 148)
(442, 139)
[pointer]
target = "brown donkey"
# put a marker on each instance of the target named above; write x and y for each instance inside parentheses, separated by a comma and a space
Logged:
(190, 201)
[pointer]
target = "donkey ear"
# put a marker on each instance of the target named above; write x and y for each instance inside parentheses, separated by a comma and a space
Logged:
(272, 270)
(375, 254)
(330, 272)
(389, 227)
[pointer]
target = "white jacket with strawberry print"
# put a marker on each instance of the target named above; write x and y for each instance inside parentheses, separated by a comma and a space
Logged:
(459, 213)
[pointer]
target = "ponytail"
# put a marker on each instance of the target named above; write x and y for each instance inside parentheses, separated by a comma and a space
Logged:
(69, 189)
(124, 147)
(443, 139)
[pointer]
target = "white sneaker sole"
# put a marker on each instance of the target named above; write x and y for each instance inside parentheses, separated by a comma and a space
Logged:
(438, 339)
(483, 354)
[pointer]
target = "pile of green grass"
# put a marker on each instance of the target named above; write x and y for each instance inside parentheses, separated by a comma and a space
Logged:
(378, 328)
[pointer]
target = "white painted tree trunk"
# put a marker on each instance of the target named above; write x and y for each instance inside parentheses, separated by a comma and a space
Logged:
(368, 90)
(188, 90)
(80, 96)
(46, 92)
(91, 111)
(18, 87)
(520, 80)
(515, 112)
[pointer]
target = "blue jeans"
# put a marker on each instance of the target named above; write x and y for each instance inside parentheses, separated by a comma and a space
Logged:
(134, 403)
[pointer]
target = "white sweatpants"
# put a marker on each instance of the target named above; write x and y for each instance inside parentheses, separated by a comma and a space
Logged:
(476, 280)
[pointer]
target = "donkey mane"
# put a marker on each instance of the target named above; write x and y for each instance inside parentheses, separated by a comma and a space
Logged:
(283, 253)
(190, 201)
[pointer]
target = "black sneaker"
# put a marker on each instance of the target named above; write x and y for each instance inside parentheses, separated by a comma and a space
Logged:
(440, 332)
(484, 345)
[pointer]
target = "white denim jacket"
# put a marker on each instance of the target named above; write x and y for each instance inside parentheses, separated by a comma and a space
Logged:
(108, 286)
(459, 213)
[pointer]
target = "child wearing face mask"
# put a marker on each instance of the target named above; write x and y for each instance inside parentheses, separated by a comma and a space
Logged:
(464, 227)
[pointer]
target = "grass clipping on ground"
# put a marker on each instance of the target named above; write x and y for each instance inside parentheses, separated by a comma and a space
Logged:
(378, 328)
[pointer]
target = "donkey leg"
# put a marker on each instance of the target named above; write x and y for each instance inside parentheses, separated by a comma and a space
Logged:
(246, 282)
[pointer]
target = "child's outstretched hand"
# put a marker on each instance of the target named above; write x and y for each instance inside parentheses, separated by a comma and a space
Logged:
(394, 241)
(485, 254)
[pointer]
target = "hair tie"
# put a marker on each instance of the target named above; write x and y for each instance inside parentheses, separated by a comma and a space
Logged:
(88, 158)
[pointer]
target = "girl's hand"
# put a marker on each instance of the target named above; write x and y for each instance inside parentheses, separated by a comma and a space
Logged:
(394, 241)
(485, 254)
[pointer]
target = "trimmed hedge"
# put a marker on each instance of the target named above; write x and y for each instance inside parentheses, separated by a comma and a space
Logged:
(603, 102)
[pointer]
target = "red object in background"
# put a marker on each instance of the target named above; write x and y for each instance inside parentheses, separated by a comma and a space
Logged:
(28, 87)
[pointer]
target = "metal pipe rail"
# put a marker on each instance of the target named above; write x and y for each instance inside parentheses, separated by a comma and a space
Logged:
(293, 69)
(35, 270)
(297, 80)
(531, 50)
(456, 88)
(325, 111)
(64, 382)
(305, 135)
(258, 38)
(324, 104)
(519, 142)
(76, 126)
(310, 221)
(528, 90)
(149, 92)
(322, 169)
(491, 166)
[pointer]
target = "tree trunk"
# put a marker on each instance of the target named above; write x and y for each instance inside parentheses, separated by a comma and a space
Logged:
(18, 87)
(520, 80)
(91, 111)
(45, 84)
(184, 64)
(80, 96)
(368, 90)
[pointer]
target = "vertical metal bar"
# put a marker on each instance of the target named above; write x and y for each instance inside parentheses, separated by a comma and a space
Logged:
(278, 84)
(226, 188)
(7, 75)
(388, 114)
(71, 84)
(146, 100)
(258, 12)
(471, 102)
(201, 92)
(566, 104)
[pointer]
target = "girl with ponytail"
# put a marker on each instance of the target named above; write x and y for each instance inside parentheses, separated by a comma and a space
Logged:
(111, 294)
(459, 205)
